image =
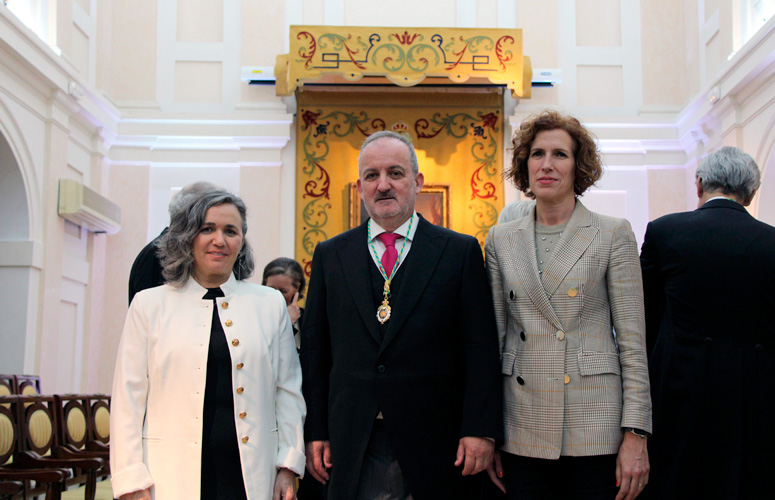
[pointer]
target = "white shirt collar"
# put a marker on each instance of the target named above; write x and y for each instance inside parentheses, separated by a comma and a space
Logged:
(376, 229)
(193, 287)
(720, 198)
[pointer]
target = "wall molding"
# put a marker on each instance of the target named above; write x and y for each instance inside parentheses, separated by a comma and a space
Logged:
(21, 254)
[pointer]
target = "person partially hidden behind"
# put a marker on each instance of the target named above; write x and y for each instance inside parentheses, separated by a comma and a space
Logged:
(287, 277)
(147, 270)
(516, 210)
(709, 283)
(399, 347)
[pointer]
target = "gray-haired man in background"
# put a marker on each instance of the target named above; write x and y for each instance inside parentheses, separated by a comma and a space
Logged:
(709, 289)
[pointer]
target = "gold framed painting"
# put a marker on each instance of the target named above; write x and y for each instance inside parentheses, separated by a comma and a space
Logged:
(432, 203)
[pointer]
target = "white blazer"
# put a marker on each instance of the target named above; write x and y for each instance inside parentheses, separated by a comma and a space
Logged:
(159, 385)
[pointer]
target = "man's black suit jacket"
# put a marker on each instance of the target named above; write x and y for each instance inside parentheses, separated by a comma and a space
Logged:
(435, 374)
(709, 283)
(146, 269)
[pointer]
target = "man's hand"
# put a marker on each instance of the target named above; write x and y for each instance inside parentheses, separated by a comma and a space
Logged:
(136, 495)
(632, 467)
(285, 485)
(476, 452)
(319, 459)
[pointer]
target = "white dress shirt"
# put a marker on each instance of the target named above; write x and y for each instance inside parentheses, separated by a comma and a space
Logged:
(403, 229)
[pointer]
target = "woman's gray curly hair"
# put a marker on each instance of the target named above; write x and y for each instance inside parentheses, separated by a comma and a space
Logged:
(175, 248)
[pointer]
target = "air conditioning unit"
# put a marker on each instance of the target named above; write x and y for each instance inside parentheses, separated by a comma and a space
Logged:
(87, 208)
(546, 77)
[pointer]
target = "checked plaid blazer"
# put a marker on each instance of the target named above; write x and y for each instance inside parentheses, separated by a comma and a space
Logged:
(570, 384)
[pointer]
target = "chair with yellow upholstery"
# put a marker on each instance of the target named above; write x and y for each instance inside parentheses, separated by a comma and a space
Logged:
(36, 423)
(16, 480)
(99, 406)
(7, 385)
(76, 427)
(27, 385)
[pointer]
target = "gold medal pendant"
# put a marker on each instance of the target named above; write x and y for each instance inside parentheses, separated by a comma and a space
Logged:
(383, 312)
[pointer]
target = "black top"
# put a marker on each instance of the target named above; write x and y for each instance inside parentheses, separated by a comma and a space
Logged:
(146, 270)
(221, 466)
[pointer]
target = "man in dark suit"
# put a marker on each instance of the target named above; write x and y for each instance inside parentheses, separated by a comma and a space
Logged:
(146, 269)
(399, 347)
(709, 286)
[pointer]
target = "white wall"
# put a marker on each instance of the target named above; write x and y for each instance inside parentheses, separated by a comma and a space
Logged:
(51, 123)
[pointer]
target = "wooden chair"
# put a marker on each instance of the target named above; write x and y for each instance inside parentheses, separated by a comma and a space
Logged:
(76, 427)
(13, 482)
(27, 385)
(14, 479)
(7, 385)
(10, 488)
(99, 407)
(38, 446)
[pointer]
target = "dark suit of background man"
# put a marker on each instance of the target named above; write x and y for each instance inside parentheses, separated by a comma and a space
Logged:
(405, 408)
(146, 269)
(709, 283)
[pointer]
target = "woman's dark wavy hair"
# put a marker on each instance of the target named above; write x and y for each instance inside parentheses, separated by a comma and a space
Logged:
(176, 247)
(287, 267)
(589, 168)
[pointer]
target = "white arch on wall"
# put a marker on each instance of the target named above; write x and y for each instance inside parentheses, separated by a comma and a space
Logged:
(14, 204)
(10, 130)
(20, 247)
(763, 205)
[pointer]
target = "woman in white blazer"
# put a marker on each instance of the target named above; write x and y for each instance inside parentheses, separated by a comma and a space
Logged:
(577, 408)
(207, 389)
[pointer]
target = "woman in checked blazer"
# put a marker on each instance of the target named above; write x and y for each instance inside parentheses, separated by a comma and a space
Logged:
(576, 395)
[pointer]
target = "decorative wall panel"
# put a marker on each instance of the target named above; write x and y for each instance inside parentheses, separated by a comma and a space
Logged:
(458, 138)
(404, 56)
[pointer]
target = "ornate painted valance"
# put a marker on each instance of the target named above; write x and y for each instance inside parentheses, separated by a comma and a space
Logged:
(404, 56)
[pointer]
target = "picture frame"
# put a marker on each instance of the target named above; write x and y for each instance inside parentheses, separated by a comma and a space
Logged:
(432, 202)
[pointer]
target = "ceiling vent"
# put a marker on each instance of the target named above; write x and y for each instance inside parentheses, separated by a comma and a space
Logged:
(87, 208)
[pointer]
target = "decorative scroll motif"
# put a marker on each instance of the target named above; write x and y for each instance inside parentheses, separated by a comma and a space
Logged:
(405, 56)
(315, 148)
(483, 153)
